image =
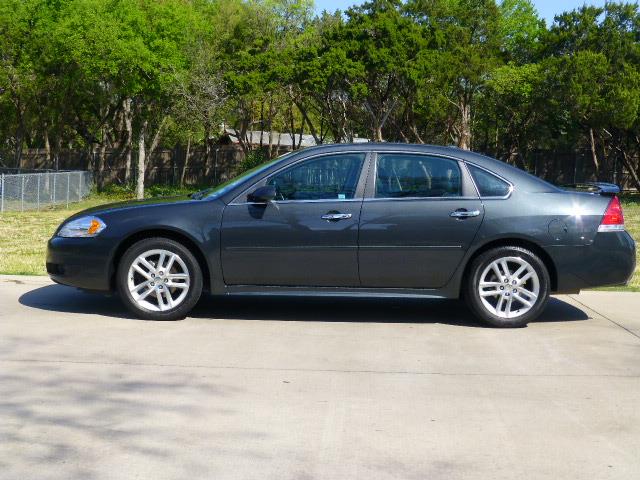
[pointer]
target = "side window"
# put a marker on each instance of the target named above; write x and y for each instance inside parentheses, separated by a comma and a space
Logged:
(407, 175)
(333, 177)
(488, 184)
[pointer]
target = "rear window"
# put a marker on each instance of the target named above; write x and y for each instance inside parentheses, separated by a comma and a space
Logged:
(409, 175)
(488, 184)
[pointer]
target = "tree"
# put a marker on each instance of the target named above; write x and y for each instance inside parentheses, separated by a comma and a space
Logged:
(109, 77)
(200, 97)
(520, 29)
(595, 56)
(17, 75)
(464, 47)
(373, 48)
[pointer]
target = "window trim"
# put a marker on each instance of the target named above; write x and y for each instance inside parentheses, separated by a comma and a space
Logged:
(464, 172)
(499, 177)
(360, 184)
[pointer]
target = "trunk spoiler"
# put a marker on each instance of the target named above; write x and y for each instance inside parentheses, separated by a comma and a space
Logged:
(597, 188)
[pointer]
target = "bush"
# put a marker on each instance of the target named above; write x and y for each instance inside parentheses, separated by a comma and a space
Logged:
(123, 192)
(252, 159)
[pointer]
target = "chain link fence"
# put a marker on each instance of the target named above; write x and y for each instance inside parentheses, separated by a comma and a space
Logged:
(33, 191)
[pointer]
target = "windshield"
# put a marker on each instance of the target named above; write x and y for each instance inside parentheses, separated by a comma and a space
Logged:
(219, 190)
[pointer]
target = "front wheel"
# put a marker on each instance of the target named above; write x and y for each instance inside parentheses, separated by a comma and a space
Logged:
(507, 287)
(159, 279)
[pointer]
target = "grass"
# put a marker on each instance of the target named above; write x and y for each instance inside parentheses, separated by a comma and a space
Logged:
(23, 236)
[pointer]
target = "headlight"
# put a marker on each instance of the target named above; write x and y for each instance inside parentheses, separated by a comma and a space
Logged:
(82, 227)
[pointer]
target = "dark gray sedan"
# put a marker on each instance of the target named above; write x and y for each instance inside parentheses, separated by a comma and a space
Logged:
(378, 220)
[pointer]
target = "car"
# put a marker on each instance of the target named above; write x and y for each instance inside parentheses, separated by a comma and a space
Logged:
(372, 220)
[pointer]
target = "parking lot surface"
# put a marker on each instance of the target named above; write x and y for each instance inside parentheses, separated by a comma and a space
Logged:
(303, 389)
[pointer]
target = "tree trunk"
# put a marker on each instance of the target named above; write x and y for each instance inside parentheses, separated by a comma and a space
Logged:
(632, 170)
(385, 117)
(377, 133)
(207, 150)
(513, 155)
(464, 130)
(156, 138)
(270, 153)
(312, 127)
(56, 152)
(101, 164)
(128, 120)
(186, 162)
(403, 136)
(594, 155)
(141, 161)
(19, 141)
(415, 132)
(300, 133)
(47, 146)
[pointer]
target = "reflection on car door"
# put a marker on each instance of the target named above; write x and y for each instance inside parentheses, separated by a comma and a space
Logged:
(307, 236)
(418, 220)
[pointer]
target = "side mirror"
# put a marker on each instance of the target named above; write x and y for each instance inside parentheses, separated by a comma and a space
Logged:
(262, 195)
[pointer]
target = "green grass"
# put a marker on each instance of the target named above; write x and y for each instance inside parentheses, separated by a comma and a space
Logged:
(24, 235)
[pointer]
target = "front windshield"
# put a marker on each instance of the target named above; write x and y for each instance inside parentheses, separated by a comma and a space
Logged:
(219, 190)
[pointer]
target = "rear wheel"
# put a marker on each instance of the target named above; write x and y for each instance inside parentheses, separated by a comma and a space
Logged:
(507, 287)
(159, 279)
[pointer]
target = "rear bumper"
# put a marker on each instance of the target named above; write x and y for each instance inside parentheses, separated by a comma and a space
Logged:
(79, 262)
(609, 260)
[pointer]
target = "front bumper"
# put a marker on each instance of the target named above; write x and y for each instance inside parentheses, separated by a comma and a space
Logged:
(609, 260)
(79, 262)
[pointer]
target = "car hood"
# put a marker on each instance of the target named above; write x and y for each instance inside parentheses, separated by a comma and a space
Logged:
(150, 202)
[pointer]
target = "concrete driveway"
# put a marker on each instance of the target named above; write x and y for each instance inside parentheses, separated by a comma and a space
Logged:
(315, 389)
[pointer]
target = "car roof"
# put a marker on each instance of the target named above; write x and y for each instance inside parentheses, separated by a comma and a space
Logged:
(515, 175)
(521, 179)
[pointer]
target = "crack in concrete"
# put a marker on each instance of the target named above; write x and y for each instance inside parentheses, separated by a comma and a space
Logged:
(604, 316)
(322, 370)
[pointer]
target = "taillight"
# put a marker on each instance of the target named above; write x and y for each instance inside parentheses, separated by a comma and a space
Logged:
(613, 219)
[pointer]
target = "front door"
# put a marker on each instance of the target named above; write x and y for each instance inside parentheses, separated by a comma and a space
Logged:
(418, 220)
(307, 236)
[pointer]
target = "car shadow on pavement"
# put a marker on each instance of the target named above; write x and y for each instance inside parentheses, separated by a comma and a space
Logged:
(57, 298)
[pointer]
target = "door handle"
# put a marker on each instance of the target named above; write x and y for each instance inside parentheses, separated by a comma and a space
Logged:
(336, 216)
(462, 213)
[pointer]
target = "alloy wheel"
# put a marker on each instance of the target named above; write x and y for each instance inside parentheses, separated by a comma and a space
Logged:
(158, 280)
(509, 287)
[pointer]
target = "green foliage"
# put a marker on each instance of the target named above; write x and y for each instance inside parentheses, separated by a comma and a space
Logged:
(485, 74)
(125, 192)
(520, 28)
(252, 159)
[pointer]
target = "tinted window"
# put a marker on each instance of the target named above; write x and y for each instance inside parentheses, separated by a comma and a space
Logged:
(333, 177)
(488, 184)
(402, 175)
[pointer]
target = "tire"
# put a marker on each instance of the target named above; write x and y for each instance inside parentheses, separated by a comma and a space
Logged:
(160, 295)
(507, 291)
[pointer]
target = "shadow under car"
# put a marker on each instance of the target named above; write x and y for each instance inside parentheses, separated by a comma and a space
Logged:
(58, 298)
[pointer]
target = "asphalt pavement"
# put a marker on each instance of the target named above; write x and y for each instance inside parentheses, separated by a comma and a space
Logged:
(281, 388)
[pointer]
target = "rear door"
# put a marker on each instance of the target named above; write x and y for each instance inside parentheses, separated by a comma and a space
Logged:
(307, 236)
(420, 215)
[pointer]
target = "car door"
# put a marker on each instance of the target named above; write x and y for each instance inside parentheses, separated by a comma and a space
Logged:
(419, 217)
(306, 236)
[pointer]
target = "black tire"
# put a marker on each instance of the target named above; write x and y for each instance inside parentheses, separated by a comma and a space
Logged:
(472, 282)
(194, 289)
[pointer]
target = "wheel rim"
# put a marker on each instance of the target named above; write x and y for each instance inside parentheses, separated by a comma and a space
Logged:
(509, 287)
(158, 280)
